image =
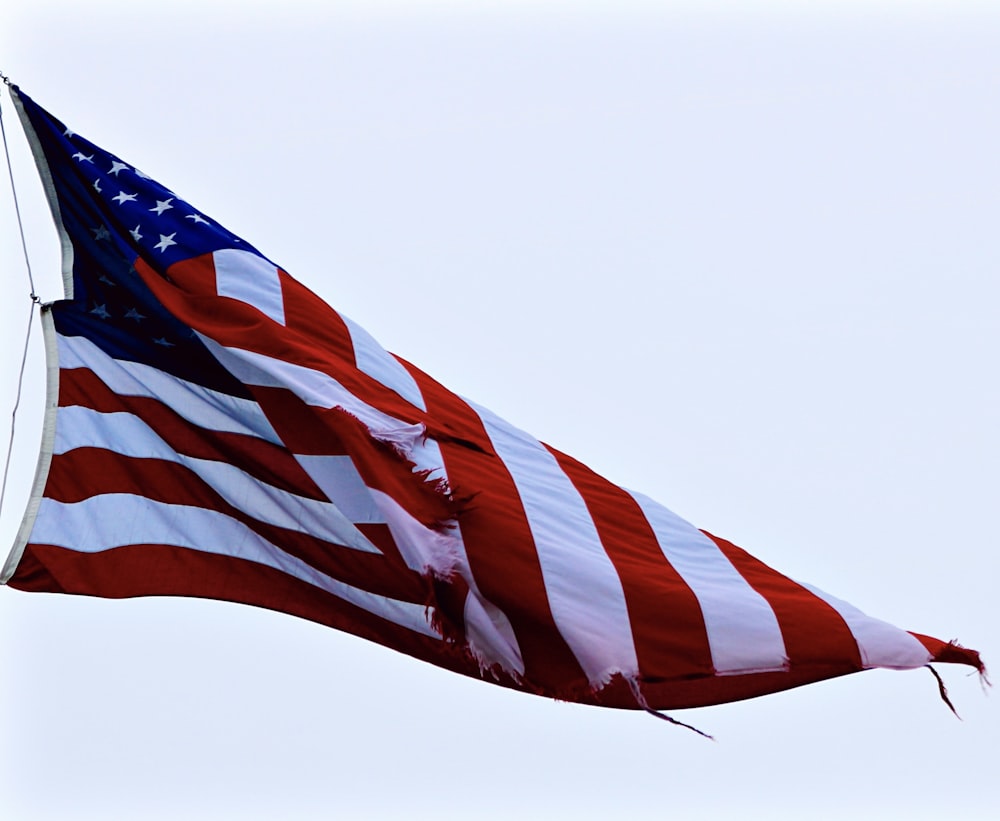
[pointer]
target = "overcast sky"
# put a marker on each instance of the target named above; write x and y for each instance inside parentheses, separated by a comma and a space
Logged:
(740, 257)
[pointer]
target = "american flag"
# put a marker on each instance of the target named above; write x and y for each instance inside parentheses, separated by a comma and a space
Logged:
(216, 430)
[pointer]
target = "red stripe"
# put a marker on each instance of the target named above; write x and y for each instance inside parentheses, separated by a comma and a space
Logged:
(314, 335)
(269, 462)
(86, 472)
(160, 570)
(324, 330)
(704, 691)
(314, 344)
(167, 570)
(305, 429)
(813, 631)
(667, 624)
(498, 540)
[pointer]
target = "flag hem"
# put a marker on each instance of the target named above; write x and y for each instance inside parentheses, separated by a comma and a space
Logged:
(45, 174)
(45, 452)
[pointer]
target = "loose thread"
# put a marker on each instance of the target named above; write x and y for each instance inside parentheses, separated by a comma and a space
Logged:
(665, 717)
(640, 699)
(943, 691)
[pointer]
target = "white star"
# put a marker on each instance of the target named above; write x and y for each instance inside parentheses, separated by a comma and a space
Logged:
(197, 218)
(135, 234)
(162, 341)
(162, 205)
(107, 281)
(69, 132)
(138, 173)
(116, 167)
(101, 311)
(132, 313)
(97, 185)
(123, 198)
(166, 241)
(101, 233)
(79, 156)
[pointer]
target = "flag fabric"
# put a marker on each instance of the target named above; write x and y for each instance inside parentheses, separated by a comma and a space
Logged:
(215, 429)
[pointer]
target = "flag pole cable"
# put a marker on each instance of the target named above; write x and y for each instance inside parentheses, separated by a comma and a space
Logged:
(34, 301)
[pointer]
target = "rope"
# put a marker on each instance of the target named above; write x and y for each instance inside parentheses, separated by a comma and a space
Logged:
(17, 206)
(34, 301)
(17, 402)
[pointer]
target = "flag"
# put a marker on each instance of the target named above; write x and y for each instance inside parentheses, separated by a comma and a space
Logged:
(215, 429)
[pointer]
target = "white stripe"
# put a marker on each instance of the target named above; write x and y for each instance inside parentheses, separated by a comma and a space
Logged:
(314, 388)
(198, 405)
(423, 549)
(490, 634)
(129, 435)
(250, 279)
(880, 643)
(743, 632)
(488, 630)
(339, 479)
(116, 520)
(584, 591)
(374, 360)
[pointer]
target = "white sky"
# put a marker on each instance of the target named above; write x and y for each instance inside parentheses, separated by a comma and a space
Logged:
(740, 257)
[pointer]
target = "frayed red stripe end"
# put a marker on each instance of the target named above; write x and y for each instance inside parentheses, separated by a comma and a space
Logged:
(951, 652)
(954, 653)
